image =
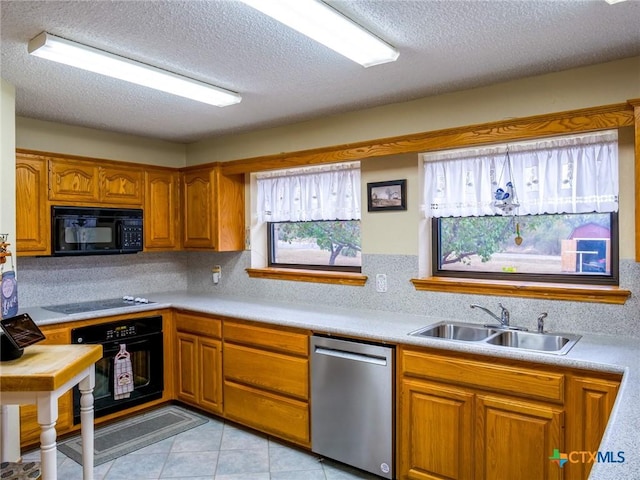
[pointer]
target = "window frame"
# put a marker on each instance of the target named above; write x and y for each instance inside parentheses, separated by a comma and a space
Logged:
(303, 266)
(605, 280)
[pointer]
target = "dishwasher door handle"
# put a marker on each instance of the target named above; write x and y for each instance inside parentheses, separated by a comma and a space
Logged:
(356, 357)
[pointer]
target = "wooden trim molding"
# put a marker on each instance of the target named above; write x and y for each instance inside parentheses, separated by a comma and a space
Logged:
(588, 119)
(315, 276)
(505, 288)
(103, 162)
(636, 108)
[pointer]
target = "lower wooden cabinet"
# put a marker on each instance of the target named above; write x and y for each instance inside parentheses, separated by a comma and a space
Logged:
(199, 361)
(514, 438)
(436, 422)
(462, 417)
(278, 415)
(451, 432)
(589, 402)
(458, 416)
(266, 379)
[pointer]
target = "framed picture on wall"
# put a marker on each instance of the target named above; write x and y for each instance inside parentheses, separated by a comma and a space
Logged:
(383, 196)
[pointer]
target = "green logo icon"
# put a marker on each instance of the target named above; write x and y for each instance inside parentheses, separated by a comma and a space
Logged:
(559, 458)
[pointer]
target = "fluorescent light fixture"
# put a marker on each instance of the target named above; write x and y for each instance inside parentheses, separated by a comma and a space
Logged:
(76, 55)
(611, 2)
(325, 25)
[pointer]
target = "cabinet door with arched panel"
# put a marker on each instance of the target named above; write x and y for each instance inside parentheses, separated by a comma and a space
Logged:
(32, 218)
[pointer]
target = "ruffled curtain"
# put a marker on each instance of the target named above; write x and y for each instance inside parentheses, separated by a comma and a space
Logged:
(328, 192)
(572, 174)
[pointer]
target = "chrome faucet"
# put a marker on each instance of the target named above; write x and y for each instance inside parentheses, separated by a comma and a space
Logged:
(541, 318)
(504, 314)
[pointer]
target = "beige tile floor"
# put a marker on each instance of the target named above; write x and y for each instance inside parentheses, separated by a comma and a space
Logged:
(216, 450)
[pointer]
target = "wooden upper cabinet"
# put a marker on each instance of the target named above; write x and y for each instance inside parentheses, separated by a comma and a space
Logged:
(121, 185)
(197, 208)
(86, 182)
(213, 210)
(32, 216)
(230, 205)
(161, 210)
(198, 211)
(73, 181)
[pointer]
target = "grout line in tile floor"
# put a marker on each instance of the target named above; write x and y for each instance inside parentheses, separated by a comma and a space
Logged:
(216, 450)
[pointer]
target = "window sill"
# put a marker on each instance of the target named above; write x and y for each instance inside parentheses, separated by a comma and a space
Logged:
(315, 276)
(505, 288)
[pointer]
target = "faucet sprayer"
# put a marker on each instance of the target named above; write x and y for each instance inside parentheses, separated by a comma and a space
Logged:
(541, 318)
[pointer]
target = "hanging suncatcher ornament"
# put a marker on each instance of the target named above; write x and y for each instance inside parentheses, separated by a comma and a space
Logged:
(518, 238)
(505, 199)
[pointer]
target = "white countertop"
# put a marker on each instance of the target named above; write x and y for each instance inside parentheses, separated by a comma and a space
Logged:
(617, 354)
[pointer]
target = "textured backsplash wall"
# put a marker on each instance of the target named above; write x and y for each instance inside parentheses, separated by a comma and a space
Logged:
(402, 297)
(57, 280)
(47, 281)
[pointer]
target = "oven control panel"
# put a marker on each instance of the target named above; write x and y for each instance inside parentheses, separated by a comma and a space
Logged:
(116, 331)
(121, 331)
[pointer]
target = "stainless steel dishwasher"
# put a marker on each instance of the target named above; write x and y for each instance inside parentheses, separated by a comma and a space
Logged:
(352, 403)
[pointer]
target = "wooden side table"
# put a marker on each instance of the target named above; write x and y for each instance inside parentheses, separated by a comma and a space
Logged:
(40, 377)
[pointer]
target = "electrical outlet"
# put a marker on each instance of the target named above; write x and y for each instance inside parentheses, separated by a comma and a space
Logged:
(216, 274)
(381, 283)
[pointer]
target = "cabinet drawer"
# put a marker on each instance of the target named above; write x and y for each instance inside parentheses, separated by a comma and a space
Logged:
(268, 370)
(273, 339)
(208, 326)
(494, 376)
(285, 418)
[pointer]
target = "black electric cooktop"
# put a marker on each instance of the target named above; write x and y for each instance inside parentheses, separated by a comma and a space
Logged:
(82, 307)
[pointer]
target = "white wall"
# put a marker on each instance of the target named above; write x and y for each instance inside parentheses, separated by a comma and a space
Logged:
(9, 418)
(58, 138)
(603, 84)
(8, 162)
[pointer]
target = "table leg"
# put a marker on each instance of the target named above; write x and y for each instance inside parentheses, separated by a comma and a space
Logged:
(47, 417)
(86, 386)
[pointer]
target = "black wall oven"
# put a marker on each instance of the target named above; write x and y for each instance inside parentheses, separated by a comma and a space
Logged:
(142, 339)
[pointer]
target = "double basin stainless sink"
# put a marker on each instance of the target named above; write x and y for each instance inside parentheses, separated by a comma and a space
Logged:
(556, 343)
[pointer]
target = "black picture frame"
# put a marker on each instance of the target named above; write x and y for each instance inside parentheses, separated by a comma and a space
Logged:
(387, 196)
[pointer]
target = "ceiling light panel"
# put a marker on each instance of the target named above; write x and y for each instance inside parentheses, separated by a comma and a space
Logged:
(81, 56)
(325, 25)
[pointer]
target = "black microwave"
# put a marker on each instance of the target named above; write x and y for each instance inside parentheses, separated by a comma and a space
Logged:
(95, 231)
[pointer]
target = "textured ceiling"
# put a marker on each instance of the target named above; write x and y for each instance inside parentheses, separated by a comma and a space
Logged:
(284, 77)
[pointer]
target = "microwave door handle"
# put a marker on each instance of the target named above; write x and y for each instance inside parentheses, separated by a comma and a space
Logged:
(118, 234)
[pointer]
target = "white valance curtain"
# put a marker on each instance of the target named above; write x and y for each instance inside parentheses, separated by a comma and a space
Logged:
(326, 192)
(571, 174)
